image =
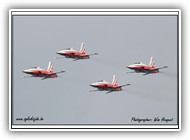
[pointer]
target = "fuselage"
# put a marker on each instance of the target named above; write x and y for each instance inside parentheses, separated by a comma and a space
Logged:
(39, 72)
(71, 53)
(103, 85)
(140, 67)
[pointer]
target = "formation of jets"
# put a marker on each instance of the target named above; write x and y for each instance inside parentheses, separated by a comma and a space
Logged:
(100, 85)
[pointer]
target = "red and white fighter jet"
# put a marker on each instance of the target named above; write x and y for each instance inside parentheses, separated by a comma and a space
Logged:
(105, 86)
(39, 72)
(76, 55)
(139, 67)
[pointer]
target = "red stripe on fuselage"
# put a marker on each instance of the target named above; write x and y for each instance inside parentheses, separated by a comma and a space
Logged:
(143, 67)
(107, 86)
(43, 72)
(72, 53)
(76, 54)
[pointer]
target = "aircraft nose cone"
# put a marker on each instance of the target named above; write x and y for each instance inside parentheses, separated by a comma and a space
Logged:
(58, 52)
(26, 71)
(93, 85)
(130, 67)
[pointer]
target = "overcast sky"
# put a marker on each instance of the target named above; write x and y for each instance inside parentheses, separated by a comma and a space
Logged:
(120, 41)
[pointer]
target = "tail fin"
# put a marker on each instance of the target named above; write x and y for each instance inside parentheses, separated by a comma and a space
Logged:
(114, 82)
(50, 67)
(152, 65)
(82, 49)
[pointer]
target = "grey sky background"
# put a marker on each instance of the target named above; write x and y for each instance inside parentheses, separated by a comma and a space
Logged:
(120, 41)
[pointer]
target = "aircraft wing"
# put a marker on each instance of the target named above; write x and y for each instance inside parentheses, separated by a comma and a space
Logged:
(109, 91)
(81, 57)
(45, 78)
(146, 73)
(106, 92)
(113, 88)
(150, 71)
(48, 75)
(77, 59)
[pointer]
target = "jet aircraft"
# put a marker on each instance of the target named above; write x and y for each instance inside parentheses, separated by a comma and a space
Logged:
(39, 72)
(76, 55)
(139, 67)
(105, 86)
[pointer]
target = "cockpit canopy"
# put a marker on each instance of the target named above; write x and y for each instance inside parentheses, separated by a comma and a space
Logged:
(138, 63)
(35, 67)
(101, 81)
(68, 49)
